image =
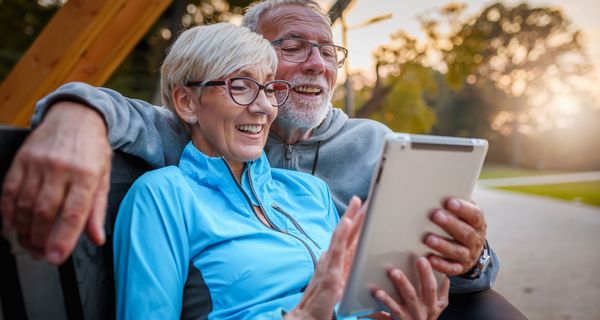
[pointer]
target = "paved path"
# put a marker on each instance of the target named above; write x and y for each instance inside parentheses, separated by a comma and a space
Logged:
(549, 253)
(545, 179)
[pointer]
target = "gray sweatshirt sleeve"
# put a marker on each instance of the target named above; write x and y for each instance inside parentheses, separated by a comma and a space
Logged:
(135, 127)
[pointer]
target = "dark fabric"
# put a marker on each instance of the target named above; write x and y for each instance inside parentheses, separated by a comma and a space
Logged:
(11, 295)
(483, 305)
(196, 297)
(10, 141)
(68, 281)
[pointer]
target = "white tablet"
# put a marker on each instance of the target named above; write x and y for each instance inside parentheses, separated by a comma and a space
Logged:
(416, 174)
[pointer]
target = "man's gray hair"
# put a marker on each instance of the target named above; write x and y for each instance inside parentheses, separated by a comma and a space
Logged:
(255, 11)
(211, 52)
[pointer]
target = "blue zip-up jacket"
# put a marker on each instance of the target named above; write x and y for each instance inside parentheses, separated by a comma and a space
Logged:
(196, 215)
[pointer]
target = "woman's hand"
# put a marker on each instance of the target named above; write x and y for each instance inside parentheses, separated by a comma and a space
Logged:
(327, 284)
(427, 303)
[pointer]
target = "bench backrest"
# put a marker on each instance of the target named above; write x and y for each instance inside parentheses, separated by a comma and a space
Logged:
(81, 288)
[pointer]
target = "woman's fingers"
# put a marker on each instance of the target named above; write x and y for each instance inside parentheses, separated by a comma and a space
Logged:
(443, 293)
(353, 208)
(426, 302)
(339, 240)
(357, 222)
(397, 310)
(428, 282)
(406, 290)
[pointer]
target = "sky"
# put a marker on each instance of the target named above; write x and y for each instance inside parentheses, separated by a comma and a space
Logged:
(363, 41)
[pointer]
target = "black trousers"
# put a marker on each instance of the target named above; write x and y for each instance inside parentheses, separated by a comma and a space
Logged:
(484, 305)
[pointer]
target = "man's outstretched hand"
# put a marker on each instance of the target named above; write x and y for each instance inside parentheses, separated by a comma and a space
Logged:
(58, 183)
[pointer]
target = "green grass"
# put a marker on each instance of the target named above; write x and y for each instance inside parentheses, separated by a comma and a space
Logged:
(585, 192)
(495, 172)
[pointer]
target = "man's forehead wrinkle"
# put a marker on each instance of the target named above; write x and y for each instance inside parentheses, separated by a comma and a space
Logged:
(298, 17)
(285, 16)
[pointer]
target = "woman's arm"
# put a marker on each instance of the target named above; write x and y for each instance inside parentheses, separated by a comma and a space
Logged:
(151, 253)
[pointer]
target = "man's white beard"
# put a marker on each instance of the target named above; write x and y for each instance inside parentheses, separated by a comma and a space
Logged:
(300, 113)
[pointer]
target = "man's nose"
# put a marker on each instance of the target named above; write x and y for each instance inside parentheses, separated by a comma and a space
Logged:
(315, 63)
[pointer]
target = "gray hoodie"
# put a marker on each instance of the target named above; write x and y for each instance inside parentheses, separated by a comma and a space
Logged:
(341, 151)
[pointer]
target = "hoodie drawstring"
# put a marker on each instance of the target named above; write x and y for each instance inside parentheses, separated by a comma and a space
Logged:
(316, 160)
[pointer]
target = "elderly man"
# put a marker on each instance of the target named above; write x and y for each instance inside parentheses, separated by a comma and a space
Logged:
(58, 182)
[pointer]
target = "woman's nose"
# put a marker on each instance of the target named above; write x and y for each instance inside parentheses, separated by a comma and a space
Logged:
(261, 104)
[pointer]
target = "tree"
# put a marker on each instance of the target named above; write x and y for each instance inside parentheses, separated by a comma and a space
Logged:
(21, 21)
(502, 73)
(402, 80)
(530, 54)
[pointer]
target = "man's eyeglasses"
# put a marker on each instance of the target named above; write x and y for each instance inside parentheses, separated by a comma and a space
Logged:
(299, 50)
(244, 91)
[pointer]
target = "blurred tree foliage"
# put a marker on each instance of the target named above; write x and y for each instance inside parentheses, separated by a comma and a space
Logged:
(21, 21)
(512, 75)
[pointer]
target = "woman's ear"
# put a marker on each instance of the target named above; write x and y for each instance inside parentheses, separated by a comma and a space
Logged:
(184, 104)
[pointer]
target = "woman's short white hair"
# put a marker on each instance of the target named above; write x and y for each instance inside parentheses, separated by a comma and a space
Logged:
(211, 52)
(255, 11)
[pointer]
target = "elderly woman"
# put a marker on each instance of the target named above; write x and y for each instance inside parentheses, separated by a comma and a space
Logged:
(256, 234)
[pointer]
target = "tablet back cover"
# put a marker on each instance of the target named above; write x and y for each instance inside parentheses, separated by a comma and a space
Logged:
(416, 174)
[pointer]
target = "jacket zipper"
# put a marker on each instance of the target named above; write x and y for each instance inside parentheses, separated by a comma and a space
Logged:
(312, 254)
(296, 224)
(272, 226)
(242, 190)
(288, 151)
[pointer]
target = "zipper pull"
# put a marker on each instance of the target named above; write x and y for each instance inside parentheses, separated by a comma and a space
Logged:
(288, 151)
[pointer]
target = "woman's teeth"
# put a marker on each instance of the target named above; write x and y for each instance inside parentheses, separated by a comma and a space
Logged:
(251, 128)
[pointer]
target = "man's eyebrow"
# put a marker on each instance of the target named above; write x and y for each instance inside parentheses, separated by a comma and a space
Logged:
(295, 35)
(292, 35)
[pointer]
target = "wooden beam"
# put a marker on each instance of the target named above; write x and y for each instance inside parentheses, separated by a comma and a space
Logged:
(337, 9)
(85, 41)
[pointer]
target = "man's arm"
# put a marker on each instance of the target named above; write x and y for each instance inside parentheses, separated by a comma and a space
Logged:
(58, 182)
(55, 172)
(135, 127)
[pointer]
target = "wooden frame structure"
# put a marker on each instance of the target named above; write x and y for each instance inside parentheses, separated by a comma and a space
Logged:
(86, 40)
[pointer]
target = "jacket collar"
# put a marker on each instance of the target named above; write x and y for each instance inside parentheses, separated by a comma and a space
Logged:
(214, 171)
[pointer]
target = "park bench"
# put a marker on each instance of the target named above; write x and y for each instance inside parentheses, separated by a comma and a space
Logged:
(83, 288)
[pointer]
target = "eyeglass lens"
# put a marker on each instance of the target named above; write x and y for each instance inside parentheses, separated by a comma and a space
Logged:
(244, 91)
(296, 50)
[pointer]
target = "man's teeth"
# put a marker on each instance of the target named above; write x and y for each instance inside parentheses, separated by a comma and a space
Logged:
(250, 128)
(307, 89)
